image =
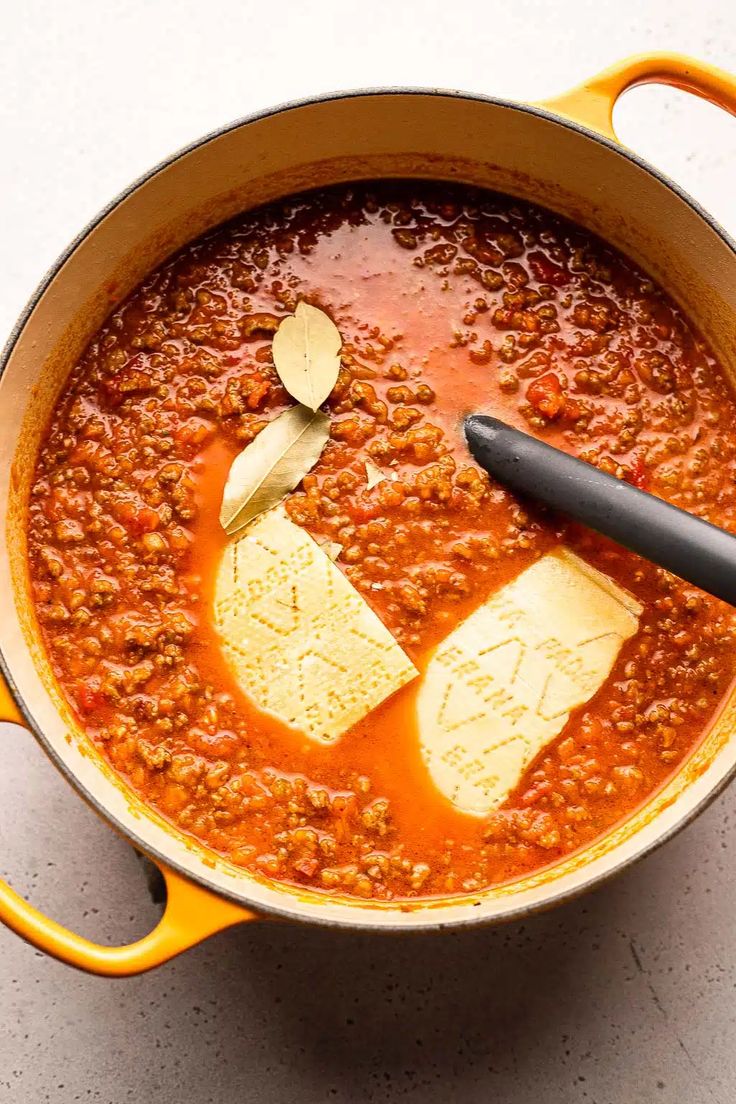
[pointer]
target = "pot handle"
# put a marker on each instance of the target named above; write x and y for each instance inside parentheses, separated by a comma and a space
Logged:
(192, 913)
(592, 102)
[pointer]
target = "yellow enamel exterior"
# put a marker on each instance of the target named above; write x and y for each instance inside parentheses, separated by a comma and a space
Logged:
(8, 709)
(191, 915)
(192, 912)
(592, 102)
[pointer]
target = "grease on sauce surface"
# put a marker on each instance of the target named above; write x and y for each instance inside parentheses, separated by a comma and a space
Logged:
(449, 300)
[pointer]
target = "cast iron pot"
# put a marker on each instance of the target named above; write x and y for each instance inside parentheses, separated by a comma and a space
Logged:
(562, 154)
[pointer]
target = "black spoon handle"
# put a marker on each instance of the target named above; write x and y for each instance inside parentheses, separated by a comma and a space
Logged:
(694, 549)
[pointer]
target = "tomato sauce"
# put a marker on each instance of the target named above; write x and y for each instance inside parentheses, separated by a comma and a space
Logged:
(449, 300)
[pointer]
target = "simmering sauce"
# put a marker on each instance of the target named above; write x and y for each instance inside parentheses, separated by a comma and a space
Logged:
(449, 300)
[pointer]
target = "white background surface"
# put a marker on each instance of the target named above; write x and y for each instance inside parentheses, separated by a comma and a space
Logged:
(626, 997)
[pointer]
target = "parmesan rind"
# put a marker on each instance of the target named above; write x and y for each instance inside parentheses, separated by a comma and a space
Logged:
(503, 683)
(302, 643)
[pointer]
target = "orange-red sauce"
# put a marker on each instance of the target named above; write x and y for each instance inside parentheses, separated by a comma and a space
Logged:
(448, 300)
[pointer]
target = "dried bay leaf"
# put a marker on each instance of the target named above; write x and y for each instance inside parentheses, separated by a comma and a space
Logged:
(306, 353)
(272, 465)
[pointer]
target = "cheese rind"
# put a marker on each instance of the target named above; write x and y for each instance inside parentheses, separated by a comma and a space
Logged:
(503, 683)
(300, 640)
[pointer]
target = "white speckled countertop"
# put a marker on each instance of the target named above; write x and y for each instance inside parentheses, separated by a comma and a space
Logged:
(625, 997)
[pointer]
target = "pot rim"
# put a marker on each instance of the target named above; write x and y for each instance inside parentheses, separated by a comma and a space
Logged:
(356, 923)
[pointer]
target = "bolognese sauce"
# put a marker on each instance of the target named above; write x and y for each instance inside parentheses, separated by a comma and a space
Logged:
(449, 300)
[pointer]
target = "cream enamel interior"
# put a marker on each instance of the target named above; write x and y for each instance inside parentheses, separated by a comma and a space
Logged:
(435, 135)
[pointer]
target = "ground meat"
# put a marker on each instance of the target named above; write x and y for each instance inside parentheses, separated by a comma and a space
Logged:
(448, 299)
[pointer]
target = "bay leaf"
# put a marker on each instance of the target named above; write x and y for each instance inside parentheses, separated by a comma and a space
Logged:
(272, 465)
(306, 352)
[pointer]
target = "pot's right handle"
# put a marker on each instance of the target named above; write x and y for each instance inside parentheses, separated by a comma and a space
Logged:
(192, 913)
(592, 102)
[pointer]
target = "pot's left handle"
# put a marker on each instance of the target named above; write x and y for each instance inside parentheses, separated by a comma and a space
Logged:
(191, 915)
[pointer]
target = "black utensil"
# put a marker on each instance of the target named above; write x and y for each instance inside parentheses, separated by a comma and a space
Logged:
(684, 544)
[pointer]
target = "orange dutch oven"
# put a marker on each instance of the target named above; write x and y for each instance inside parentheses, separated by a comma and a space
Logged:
(562, 154)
